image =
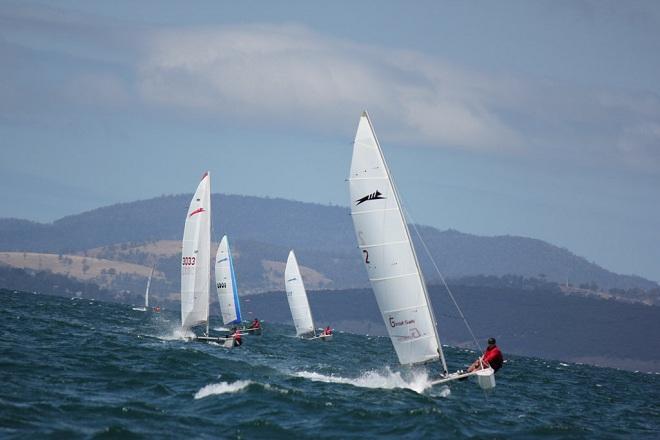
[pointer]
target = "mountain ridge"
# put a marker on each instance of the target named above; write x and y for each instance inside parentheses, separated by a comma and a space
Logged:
(323, 236)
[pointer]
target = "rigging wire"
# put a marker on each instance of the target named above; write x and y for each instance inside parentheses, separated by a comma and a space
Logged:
(442, 278)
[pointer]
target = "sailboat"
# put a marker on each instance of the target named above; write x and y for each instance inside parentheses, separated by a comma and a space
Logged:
(196, 263)
(298, 303)
(391, 262)
(146, 293)
(225, 283)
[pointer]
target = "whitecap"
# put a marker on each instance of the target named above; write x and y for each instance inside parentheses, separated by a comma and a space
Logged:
(177, 334)
(276, 389)
(374, 379)
(221, 388)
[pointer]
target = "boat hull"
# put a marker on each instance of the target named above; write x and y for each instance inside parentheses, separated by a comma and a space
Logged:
(253, 331)
(224, 342)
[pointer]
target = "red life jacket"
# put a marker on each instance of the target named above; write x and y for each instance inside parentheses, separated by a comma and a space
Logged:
(493, 357)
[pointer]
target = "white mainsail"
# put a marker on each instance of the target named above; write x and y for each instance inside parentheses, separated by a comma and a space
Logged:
(297, 297)
(388, 254)
(146, 293)
(225, 282)
(195, 261)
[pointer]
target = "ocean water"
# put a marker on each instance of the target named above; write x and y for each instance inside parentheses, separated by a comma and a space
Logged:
(88, 369)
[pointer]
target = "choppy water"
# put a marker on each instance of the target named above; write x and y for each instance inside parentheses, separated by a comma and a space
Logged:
(80, 368)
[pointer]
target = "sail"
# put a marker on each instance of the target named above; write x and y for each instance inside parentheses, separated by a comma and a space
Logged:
(388, 254)
(146, 293)
(195, 261)
(297, 297)
(225, 283)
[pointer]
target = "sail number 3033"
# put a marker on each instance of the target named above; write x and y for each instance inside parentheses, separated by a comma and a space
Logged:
(188, 261)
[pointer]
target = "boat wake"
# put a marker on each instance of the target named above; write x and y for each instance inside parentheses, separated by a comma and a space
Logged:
(418, 382)
(176, 334)
(222, 388)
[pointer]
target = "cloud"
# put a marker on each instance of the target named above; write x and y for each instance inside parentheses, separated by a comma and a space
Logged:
(286, 73)
(290, 77)
(639, 146)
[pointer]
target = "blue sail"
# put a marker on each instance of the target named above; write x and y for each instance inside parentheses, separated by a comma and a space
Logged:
(226, 285)
(237, 303)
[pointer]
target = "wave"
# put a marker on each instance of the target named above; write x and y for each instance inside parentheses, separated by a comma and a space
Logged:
(221, 388)
(176, 334)
(418, 381)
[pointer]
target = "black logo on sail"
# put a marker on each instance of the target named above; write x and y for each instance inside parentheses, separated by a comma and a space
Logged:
(372, 196)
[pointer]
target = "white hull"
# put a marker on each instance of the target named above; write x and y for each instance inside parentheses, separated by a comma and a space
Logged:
(324, 338)
(140, 309)
(224, 342)
(485, 378)
(253, 331)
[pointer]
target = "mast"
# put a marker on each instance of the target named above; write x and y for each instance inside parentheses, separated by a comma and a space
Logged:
(207, 256)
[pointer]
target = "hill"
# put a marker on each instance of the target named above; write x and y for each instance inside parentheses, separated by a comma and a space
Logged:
(262, 230)
(592, 331)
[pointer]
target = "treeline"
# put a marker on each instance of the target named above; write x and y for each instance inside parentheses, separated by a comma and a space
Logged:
(530, 321)
(541, 283)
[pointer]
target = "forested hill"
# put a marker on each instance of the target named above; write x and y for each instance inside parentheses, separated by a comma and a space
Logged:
(322, 236)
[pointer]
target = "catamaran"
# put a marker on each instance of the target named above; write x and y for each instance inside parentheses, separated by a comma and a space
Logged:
(298, 303)
(225, 283)
(391, 262)
(196, 264)
(146, 293)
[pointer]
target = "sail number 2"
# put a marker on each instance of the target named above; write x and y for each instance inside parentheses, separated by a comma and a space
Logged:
(188, 261)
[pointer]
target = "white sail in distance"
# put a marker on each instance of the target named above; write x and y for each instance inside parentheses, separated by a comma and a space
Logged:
(388, 253)
(195, 257)
(297, 297)
(225, 283)
(146, 293)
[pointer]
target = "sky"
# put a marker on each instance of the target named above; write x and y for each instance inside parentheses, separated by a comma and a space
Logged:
(538, 119)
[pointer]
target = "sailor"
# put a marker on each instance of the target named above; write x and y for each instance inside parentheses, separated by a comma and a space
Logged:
(236, 334)
(492, 357)
(255, 324)
(327, 331)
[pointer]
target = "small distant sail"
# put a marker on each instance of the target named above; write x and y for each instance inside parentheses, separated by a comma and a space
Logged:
(225, 283)
(146, 293)
(388, 254)
(297, 297)
(195, 258)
